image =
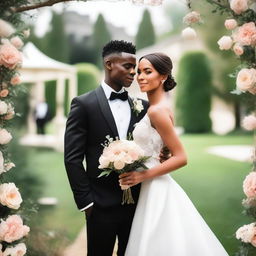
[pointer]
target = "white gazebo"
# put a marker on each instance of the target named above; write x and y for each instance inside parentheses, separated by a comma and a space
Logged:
(38, 68)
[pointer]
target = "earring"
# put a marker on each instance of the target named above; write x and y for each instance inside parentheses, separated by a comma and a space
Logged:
(162, 81)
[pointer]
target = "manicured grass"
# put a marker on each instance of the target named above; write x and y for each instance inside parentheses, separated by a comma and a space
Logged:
(213, 183)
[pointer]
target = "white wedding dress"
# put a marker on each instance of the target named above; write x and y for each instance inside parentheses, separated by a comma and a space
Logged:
(166, 223)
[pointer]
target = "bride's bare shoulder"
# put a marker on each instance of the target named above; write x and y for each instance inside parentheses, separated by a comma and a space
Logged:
(159, 112)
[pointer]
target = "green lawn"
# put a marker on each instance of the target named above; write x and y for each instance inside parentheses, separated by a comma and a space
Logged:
(213, 183)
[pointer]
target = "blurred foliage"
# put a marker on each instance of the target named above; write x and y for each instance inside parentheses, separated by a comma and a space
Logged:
(50, 96)
(82, 50)
(146, 33)
(46, 243)
(100, 37)
(174, 13)
(224, 63)
(193, 101)
(87, 77)
(55, 41)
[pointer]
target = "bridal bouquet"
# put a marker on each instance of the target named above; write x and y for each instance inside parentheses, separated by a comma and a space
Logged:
(122, 156)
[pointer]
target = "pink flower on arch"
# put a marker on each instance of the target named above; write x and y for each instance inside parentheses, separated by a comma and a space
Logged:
(249, 185)
(12, 229)
(10, 57)
(246, 34)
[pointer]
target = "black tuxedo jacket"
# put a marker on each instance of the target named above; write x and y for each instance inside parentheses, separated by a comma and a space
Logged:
(89, 122)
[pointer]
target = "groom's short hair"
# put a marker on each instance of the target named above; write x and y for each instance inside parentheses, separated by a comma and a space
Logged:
(118, 46)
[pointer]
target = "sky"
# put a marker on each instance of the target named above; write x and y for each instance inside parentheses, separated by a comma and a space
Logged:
(122, 14)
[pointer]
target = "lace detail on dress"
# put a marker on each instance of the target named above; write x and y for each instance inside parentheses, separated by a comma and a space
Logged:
(148, 138)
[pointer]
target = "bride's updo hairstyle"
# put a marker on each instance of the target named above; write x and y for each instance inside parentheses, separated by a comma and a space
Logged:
(163, 65)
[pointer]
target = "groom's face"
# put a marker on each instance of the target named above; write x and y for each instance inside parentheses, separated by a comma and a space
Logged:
(123, 69)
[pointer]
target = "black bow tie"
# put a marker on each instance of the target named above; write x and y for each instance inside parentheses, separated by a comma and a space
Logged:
(121, 96)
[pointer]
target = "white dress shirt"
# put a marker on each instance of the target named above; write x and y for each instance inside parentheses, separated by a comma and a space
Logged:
(120, 109)
(121, 112)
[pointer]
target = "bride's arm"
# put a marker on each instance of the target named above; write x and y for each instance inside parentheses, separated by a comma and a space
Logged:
(160, 119)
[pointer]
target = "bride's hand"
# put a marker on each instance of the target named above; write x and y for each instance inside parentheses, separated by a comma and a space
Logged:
(131, 178)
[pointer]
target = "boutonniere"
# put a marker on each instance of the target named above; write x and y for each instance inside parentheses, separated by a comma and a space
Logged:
(137, 106)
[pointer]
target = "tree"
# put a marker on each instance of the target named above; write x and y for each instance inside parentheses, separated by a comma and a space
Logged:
(146, 34)
(100, 37)
(56, 41)
(193, 101)
(224, 61)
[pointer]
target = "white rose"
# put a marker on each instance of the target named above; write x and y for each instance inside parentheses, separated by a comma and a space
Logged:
(19, 250)
(239, 6)
(8, 166)
(10, 112)
(246, 233)
(26, 33)
(189, 33)
(6, 29)
(2, 169)
(10, 195)
(3, 107)
(238, 49)
(139, 106)
(225, 43)
(104, 162)
(230, 24)
(246, 79)
(119, 165)
(5, 136)
(17, 42)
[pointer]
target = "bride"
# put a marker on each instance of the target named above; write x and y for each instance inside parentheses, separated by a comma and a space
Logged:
(165, 222)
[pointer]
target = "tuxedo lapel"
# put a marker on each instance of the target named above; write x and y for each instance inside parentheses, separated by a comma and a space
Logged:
(133, 119)
(106, 111)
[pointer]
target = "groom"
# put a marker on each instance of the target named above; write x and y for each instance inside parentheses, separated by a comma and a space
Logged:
(108, 110)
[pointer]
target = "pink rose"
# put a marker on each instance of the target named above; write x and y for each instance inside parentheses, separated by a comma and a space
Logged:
(10, 195)
(230, 24)
(249, 123)
(249, 185)
(238, 6)
(225, 43)
(15, 80)
(246, 79)
(238, 50)
(10, 57)
(17, 42)
(4, 93)
(246, 34)
(12, 229)
(192, 17)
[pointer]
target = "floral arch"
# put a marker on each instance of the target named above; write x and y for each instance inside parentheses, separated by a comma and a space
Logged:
(240, 38)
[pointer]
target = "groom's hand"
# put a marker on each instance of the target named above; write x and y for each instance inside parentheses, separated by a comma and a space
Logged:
(165, 154)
